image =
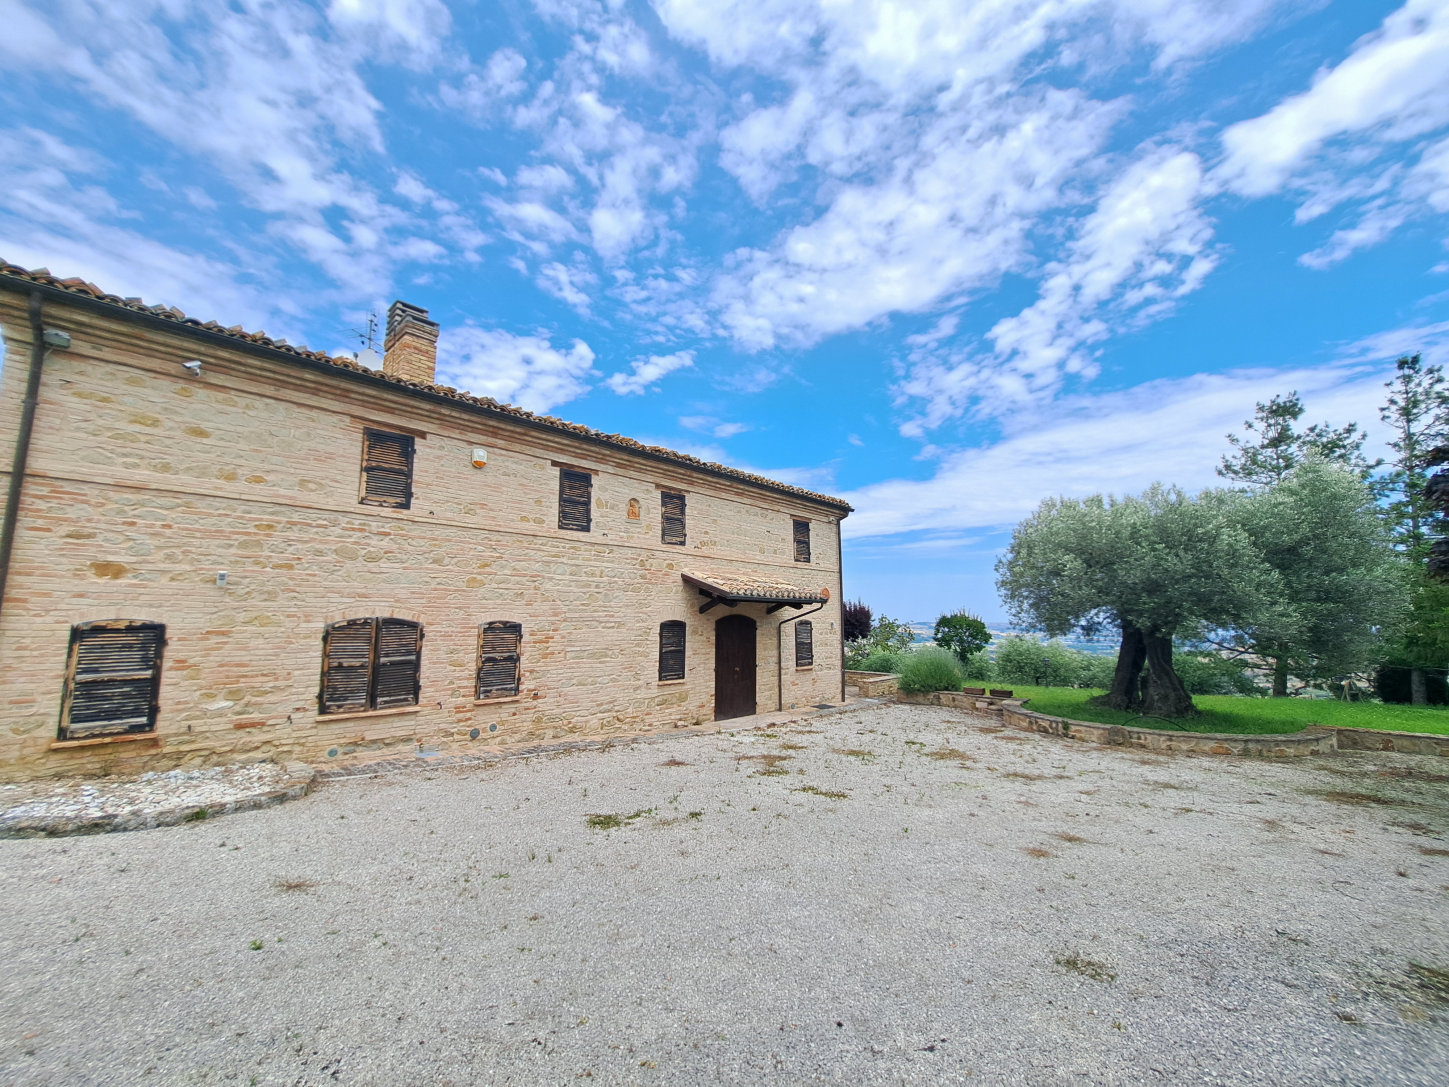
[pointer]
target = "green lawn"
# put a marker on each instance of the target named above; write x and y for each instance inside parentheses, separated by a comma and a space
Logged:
(1223, 713)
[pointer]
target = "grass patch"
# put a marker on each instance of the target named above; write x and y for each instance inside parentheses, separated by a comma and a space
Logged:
(854, 752)
(198, 816)
(788, 746)
(1070, 839)
(1037, 851)
(828, 794)
(1088, 968)
(674, 762)
(1247, 716)
(771, 772)
(613, 821)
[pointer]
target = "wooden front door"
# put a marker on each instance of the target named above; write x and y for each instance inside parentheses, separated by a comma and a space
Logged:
(734, 667)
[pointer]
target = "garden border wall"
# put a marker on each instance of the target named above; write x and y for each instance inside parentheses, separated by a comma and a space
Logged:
(1311, 741)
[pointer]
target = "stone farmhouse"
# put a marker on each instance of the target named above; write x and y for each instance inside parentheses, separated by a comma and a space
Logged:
(219, 547)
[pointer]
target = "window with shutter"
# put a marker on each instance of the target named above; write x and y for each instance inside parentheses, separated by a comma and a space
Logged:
(387, 469)
(500, 653)
(671, 650)
(802, 541)
(575, 493)
(370, 664)
(113, 679)
(672, 525)
(804, 644)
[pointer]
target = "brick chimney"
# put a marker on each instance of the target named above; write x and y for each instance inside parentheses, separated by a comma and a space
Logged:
(410, 349)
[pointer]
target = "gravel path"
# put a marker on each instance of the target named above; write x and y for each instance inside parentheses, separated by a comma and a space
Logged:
(979, 906)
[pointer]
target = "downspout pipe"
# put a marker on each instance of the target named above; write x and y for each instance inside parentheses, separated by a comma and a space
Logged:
(840, 588)
(22, 440)
(780, 654)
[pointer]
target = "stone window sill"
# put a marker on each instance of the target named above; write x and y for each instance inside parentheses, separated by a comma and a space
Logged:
(496, 701)
(392, 711)
(804, 667)
(672, 682)
(129, 737)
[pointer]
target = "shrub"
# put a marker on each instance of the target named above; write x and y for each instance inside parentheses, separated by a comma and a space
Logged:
(881, 660)
(887, 635)
(1051, 664)
(931, 670)
(962, 633)
(1208, 673)
(978, 668)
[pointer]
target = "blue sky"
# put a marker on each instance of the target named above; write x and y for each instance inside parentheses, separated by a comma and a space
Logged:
(941, 258)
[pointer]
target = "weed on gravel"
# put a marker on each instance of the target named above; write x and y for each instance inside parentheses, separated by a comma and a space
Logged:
(1088, 968)
(612, 821)
(1430, 851)
(294, 884)
(815, 790)
(855, 752)
(1037, 851)
(950, 754)
(1070, 839)
(770, 761)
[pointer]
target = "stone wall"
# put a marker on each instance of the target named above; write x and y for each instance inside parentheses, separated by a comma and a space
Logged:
(1307, 742)
(1407, 743)
(873, 684)
(145, 482)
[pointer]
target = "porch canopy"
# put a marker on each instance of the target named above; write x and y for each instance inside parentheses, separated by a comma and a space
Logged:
(734, 590)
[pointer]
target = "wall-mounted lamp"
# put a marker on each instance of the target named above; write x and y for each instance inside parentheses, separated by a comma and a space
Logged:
(480, 457)
(54, 337)
(193, 367)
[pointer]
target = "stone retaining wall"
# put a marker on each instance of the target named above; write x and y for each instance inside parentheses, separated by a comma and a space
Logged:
(958, 701)
(1312, 741)
(873, 684)
(1406, 743)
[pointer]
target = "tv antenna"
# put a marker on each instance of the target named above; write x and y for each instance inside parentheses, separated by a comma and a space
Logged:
(369, 355)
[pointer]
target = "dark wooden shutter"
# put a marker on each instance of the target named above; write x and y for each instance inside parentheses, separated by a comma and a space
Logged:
(575, 493)
(347, 650)
(387, 469)
(500, 653)
(395, 667)
(671, 649)
(672, 527)
(804, 644)
(114, 679)
(802, 541)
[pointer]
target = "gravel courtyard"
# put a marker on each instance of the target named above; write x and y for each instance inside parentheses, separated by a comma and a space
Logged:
(892, 894)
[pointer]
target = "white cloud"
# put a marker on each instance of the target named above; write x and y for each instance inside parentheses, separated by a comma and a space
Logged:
(48, 218)
(1143, 247)
(1170, 430)
(525, 370)
(414, 27)
(710, 425)
(264, 92)
(647, 371)
(1395, 77)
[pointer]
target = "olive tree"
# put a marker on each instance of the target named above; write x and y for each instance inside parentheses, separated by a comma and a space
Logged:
(1151, 565)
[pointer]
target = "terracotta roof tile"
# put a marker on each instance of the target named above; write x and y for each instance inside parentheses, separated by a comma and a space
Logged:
(80, 287)
(752, 587)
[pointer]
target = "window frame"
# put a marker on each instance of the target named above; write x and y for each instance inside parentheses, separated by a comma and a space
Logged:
(375, 664)
(579, 478)
(666, 518)
(800, 534)
(484, 657)
(667, 652)
(804, 644)
(373, 465)
(80, 633)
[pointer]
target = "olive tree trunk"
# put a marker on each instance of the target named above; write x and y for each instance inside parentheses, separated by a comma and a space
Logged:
(1164, 694)
(1418, 688)
(1126, 692)
(1280, 678)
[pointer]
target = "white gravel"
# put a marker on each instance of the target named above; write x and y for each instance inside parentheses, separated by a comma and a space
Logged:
(1185, 921)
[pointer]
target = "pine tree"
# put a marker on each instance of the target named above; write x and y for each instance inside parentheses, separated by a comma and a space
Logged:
(1417, 413)
(1279, 448)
